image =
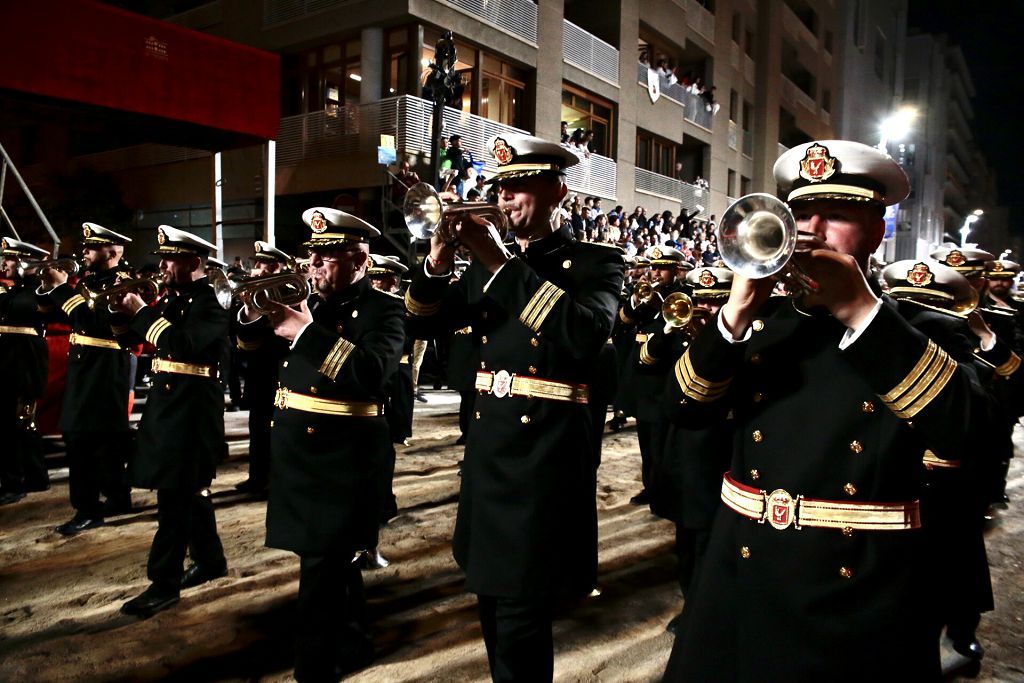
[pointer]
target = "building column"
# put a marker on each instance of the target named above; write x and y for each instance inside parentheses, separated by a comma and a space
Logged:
(768, 74)
(628, 109)
(371, 64)
(547, 101)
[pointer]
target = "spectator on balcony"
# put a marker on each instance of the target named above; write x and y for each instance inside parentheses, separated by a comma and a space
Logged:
(677, 173)
(588, 142)
(595, 209)
(404, 179)
(461, 162)
(645, 58)
(697, 85)
(665, 72)
(701, 183)
(615, 213)
(709, 98)
(565, 133)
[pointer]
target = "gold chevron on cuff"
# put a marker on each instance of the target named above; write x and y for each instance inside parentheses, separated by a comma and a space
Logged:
(72, 303)
(540, 305)
(336, 358)
(695, 386)
(156, 329)
(1010, 366)
(419, 308)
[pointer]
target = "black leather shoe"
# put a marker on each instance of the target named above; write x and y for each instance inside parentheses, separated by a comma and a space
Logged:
(420, 397)
(461, 441)
(77, 525)
(197, 575)
(151, 601)
(673, 625)
(971, 649)
(616, 423)
(252, 486)
(642, 498)
(10, 497)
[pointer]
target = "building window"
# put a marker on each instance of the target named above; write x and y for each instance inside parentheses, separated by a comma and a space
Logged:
(745, 186)
(737, 28)
(748, 44)
(734, 106)
(324, 78)
(748, 116)
(581, 109)
(397, 60)
(880, 55)
(829, 39)
(731, 188)
(655, 153)
(826, 100)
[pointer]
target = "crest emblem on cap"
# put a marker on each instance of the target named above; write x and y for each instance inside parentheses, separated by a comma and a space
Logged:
(502, 152)
(707, 279)
(160, 236)
(259, 247)
(86, 232)
(656, 253)
(317, 222)
(955, 258)
(920, 275)
(997, 267)
(3, 244)
(817, 165)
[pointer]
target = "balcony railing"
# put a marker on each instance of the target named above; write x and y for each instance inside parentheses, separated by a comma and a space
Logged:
(734, 135)
(748, 143)
(700, 20)
(689, 196)
(588, 52)
(695, 108)
(518, 17)
(356, 129)
(748, 69)
(791, 22)
(280, 11)
(793, 95)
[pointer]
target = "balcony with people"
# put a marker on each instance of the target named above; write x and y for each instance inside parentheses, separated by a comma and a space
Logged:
(678, 76)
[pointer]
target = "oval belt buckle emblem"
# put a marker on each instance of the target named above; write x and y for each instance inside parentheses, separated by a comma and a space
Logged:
(780, 509)
(501, 385)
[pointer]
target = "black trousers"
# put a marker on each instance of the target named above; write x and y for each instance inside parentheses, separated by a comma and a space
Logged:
(690, 547)
(97, 464)
(331, 629)
(468, 399)
(185, 521)
(22, 467)
(651, 436)
(259, 441)
(517, 633)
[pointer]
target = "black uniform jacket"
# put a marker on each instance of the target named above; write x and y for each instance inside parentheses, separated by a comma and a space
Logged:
(815, 421)
(528, 478)
(181, 435)
(23, 357)
(324, 469)
(96, 399)
(652, 362)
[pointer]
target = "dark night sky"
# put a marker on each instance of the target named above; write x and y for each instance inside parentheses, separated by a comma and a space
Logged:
(989, 33)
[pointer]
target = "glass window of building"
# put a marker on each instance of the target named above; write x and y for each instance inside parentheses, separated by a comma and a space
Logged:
(397, 61)
(655, 153)
(581, 109)
(324, 78)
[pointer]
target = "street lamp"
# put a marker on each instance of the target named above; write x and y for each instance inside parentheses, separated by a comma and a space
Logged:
(896, 126)
(969, 220)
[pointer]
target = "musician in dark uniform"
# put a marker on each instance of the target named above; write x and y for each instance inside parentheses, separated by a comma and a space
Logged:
(94, 418)
(685, 489)
(23, 367)
(815, 564)
(526, 529)
(623, 336)
(386, 275)
(649, 373)
(259, 360)
(953, 500)
(330, 440)
(181, 434)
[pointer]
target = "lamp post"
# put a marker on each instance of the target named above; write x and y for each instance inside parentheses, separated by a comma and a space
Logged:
(443, 85)
(969, 220)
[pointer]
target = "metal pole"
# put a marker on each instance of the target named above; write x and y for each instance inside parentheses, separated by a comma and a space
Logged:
(32, 201)
(3, 213)
(217, 206)
(269, 190)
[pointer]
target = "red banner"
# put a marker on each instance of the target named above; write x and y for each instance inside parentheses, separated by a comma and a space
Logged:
(87, 52)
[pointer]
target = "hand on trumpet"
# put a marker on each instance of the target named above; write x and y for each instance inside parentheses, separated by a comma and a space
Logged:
(53, 277)
(981, 329)
(288, 321)
(481, 238)
(841, 285)
(129, 302)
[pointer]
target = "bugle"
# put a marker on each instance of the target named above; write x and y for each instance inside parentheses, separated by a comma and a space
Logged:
(259, 293)
(68, 265)
(146, 287)
(757, 237)
(426, 213)
(680, 313)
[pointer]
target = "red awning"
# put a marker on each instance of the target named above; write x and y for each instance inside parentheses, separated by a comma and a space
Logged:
(85, 52)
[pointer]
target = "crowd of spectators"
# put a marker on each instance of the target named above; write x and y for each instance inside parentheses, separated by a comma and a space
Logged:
(637, 231)
(581, 139)
(670, 74)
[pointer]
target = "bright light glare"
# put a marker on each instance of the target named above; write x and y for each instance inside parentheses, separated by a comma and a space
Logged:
(898, 125)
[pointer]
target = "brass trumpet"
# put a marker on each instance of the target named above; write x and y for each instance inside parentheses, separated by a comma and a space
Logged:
(646, 290)
(286, 289)
(757, 237)
(68, 265)
(426, 213)
(146, 287)
(680, 313)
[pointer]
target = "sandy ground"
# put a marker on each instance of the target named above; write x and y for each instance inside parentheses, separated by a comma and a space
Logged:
(59, 597)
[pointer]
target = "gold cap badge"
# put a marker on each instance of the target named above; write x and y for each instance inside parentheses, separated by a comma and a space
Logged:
(317, 222)
(502, 152)
(955, 258)
(707, 279)
(160, 236)
(86, 232)
(817, 165)
(656, 253)
(920, 275)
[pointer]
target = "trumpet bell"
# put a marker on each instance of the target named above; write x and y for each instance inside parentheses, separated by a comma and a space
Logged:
(757, 235)
(677, 309)
(423, 210)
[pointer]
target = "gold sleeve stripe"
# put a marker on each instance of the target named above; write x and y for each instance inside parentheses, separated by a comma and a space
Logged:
(625, 318)
(540, 305)
(72, 303)
(418, 308)
(645, 357)
(930, 376)
(694, 386)
(156, 329)
(248, 345)
(336, 358)
(1010, 366)
(120, 329)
